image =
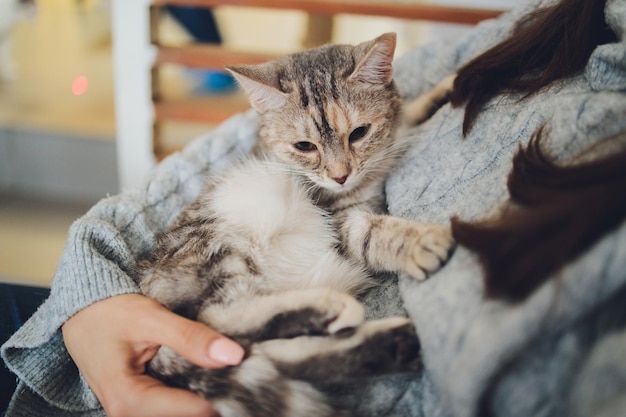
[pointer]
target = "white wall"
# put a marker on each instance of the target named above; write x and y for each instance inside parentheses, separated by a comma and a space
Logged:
(45, 165)
(132, 59)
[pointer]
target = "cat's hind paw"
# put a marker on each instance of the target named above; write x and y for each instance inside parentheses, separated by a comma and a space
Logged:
(351, 315)
(424, 106)
(394, 344)
(331, 313)
(309, 312)
(376, 347)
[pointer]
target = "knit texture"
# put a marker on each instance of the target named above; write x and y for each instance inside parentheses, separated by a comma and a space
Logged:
(549, 355)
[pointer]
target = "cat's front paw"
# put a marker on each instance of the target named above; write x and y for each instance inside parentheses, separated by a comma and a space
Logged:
(426, 250)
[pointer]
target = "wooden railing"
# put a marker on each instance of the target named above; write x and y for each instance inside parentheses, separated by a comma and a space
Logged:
(215, 109)
(419, 10)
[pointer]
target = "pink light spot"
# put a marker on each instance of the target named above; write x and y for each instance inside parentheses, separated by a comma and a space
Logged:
(80, 85)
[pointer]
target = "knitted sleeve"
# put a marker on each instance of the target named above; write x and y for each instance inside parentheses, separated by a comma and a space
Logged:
(103, 246)
(98, 260)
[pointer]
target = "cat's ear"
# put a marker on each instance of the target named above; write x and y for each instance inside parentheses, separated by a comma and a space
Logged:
(375, 66)
(258, 82)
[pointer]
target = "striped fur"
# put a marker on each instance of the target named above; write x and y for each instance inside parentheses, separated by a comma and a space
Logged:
(274, 250)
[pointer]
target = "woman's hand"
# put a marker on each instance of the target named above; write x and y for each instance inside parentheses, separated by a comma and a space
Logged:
(112, 340)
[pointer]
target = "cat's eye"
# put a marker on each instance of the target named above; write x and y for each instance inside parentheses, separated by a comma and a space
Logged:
(305, 146)
(359, 133)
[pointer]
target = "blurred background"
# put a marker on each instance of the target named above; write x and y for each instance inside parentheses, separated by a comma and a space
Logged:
(76, 116)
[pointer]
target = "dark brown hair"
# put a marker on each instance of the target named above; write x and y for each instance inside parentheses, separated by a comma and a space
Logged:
(548, 45)
(559, 212)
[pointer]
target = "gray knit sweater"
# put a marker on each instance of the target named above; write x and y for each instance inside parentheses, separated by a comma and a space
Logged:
(562, 352)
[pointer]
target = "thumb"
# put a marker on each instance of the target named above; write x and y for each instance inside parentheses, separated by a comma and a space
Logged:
(196, 342)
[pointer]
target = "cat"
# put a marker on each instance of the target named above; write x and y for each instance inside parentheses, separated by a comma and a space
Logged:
(276, 247)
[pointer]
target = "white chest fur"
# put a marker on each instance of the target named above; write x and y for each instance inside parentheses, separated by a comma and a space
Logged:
(291, 239)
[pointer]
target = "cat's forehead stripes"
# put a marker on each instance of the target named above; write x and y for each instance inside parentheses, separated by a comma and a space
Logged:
(319, 95)
(342, 118)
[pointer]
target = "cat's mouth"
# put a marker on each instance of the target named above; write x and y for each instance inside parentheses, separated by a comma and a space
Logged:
(334, 186)
(340, 185)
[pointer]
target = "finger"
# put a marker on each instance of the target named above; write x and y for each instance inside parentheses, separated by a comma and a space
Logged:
(195, 341)
(144, 396)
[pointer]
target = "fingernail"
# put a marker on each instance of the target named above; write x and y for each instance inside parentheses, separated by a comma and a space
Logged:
(226, 351)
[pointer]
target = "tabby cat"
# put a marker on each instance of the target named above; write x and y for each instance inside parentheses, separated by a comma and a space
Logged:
(275, 248)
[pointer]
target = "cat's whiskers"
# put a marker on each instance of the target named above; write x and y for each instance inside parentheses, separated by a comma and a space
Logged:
(277, 244)
(382, 161)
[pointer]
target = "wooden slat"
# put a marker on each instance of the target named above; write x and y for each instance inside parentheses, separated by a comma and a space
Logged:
(211, 109)
(208, 56)
(161, 154)
(416, 9)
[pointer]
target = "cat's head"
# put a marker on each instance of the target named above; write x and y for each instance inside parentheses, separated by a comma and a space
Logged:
(329, 112)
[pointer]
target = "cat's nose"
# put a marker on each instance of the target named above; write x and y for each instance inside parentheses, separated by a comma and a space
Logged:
(341, 180)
